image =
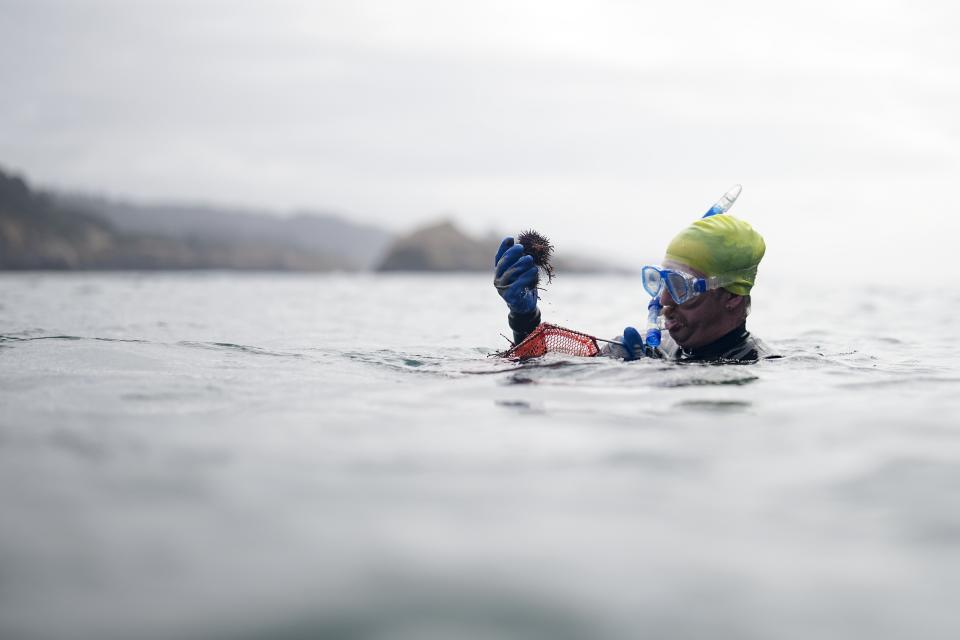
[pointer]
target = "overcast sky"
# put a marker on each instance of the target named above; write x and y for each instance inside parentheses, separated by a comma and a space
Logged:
(606, 125)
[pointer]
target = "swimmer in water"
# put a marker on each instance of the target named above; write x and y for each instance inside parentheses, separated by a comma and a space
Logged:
(703, 286)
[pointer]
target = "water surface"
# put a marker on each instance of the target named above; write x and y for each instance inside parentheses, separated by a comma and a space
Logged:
(291, 456)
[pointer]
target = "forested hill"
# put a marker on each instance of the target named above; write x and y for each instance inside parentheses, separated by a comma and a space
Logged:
(35, 233)
(45, 230)
(348, 244)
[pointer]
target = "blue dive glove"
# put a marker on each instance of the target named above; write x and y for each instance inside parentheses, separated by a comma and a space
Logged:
(515, 277)
(632, 344)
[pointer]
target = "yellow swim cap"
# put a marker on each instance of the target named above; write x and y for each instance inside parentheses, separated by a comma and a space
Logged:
(721, 245)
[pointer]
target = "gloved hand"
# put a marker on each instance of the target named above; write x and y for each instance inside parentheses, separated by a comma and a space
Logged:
(515, 277)
(632, 344)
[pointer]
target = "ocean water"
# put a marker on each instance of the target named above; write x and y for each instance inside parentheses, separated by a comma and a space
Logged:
(221, 455)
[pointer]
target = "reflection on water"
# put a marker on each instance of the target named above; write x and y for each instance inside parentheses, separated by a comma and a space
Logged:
(714, 405)
(222, 457)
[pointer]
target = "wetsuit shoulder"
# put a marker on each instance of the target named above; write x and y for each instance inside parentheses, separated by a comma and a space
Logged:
(736, 347)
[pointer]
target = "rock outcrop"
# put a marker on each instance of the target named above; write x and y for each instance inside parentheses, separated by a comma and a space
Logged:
(443, 247)
(438, 247)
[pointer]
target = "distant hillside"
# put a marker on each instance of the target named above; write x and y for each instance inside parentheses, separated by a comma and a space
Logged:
(39, 230)
(439, 247)
(36, 234)
(443, 247)
(344, 243)
(44, 230)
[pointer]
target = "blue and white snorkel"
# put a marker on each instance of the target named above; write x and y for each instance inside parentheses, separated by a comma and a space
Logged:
(652, 339)
(654, 308)
(723, 204)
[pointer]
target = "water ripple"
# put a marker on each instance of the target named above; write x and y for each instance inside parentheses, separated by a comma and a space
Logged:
(242, 348)
(98, 339)
(401, 361)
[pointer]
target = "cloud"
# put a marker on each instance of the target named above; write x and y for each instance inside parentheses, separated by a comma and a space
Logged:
(506, 113)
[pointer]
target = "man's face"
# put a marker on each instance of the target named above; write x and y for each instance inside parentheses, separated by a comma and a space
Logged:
(698, 321)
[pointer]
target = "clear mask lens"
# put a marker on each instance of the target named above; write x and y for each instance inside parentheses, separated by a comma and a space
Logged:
(652, 282)
(679, 288)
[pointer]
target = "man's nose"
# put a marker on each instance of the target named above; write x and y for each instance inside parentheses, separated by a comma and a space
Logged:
(665, 298)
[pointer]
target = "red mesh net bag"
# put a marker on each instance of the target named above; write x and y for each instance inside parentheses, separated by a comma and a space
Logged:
(549, 338)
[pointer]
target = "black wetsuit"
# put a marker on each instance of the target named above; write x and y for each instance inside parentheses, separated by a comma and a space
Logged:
(738, 346)
(523, 324)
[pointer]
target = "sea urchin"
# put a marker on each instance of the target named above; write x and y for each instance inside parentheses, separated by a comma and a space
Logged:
(539, 247)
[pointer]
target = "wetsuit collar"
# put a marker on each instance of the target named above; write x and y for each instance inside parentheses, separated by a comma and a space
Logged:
(719, 347)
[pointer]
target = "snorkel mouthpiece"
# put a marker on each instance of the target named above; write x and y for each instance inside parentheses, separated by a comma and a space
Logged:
(723, 204)
(653, 322)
